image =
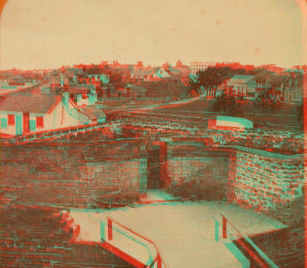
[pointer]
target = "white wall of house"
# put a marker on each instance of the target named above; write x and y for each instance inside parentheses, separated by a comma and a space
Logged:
(6, 128)
(60, 117)
(294, 94)
(241, 88)
(161, 73)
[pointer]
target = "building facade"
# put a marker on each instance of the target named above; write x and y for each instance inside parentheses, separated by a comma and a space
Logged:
(196, 66)
(242, 85)
(28, 114)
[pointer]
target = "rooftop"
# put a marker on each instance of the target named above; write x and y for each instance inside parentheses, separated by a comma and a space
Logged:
(242, 77)
(29, 103)
(92, 113)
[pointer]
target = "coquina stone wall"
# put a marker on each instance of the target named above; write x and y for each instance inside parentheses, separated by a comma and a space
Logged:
(72, 175)
(206, 167)
(252, 178)
(264, 180)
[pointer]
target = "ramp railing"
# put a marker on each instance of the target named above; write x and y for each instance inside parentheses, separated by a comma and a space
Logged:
(250, 247)
(155, 259)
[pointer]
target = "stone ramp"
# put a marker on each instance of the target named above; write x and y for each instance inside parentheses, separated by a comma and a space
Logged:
(124, 244)
(183, 232)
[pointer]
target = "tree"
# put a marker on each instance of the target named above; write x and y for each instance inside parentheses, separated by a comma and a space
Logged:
(192, 85)
(210, 78)
(267, 99)
(227, 104)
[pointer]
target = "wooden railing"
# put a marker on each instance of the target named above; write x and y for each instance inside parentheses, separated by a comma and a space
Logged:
(154, 262)
(264, 262)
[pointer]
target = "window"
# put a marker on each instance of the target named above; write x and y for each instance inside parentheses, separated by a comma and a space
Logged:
(11, 119)
(39, 121)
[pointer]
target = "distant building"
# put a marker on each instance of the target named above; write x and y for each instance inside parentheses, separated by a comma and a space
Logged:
(27, 114)
(104, 78)
(82, 94)
(184, 70)
(294, 89)
(141, 75)
(270, 81)
(272, 68)
(200, 66)
(242, 85)
(158, 73)
(293, 72)
(136, 91)
(90, 115)
(14, 82)
(74, 71)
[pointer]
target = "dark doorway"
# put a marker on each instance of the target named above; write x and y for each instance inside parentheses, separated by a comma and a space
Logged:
(153, 168)
(26, 123)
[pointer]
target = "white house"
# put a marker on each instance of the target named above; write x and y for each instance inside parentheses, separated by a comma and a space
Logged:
(22, 114)
(294, 89)
(83, 94)
(200, 66)
(159, 73)
(242, 85)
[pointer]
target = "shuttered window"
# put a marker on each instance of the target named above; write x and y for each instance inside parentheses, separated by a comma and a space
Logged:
(11, 119)
(39, 121)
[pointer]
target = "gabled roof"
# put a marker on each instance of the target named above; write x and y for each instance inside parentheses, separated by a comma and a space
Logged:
(57, 80)
(173, 72)
(80, 88)
(31, 104)
(143, 72)
(157, 70)
(92, 113)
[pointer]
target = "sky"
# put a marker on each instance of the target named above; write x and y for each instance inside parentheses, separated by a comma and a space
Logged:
(38, 34)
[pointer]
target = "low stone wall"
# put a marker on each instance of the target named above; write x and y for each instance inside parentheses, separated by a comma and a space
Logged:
(205, 170)
(78, 173)
(142, 126)
(283, 142)
(73, 176)
(34, 237)
(65, 134)
(252, 178)
(264, 180)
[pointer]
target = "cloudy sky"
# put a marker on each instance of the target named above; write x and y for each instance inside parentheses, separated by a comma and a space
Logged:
(52, 33)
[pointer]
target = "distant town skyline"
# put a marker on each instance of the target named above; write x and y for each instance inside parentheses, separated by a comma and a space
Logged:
(49, 34)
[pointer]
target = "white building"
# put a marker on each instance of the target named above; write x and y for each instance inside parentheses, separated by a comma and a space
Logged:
(196, 66)
(28, 114)
(242, 85)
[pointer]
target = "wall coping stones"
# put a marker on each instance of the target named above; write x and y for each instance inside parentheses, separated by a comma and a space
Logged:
(264, 153)
(234, 148)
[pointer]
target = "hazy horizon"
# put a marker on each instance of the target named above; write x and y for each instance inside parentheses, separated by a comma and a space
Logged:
(39, 34)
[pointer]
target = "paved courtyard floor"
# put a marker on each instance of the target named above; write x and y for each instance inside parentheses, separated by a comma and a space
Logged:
(183, 231)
